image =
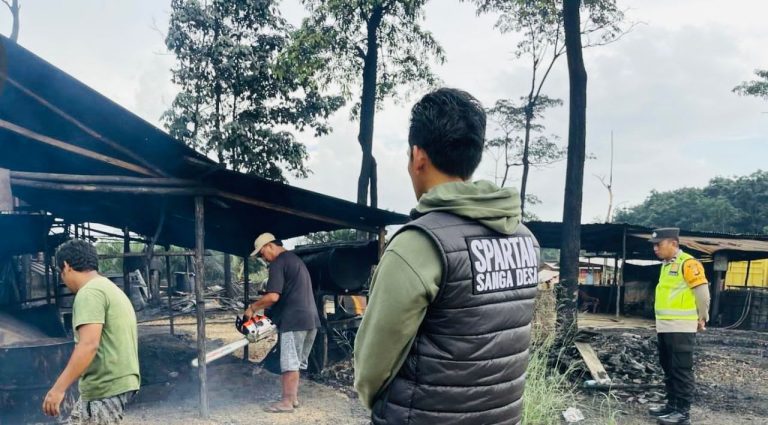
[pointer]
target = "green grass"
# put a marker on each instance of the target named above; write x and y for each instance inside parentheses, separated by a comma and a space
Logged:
(548, 390)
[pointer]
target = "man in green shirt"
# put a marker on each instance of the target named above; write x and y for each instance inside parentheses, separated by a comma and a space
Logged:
(445, 335)
(105, 358)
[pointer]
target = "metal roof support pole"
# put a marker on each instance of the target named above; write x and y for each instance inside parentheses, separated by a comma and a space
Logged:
(200, 302)
(246, 294)
(623, 263)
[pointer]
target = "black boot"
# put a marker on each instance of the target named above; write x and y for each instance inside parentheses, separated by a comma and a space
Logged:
(664, 409)
(681, 415)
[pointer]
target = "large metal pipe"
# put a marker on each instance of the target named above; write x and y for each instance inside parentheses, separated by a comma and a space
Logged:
(340, 268)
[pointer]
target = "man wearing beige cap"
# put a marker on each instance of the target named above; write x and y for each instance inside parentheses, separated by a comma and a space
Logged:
(289, 297)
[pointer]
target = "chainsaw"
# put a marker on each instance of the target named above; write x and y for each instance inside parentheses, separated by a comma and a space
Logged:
(255, 329)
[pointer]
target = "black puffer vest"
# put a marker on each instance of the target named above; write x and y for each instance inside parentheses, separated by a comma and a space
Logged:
(467, 363)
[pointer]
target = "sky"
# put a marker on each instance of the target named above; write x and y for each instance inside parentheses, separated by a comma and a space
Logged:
(664, 90)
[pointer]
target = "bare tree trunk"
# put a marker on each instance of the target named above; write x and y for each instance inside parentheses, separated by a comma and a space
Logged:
(526, 152)
(14, 7)
(368, 108)
(571, 235)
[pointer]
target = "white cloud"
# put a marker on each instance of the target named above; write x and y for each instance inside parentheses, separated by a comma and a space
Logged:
(664, 90)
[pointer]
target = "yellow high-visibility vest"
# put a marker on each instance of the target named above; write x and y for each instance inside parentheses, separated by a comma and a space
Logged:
(674, 298)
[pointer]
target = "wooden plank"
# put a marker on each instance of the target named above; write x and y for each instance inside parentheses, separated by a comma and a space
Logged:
(596, 368)
(6, 195)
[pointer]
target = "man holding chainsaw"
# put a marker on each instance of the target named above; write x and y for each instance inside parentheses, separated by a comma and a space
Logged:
(289, 297)
(445, 336)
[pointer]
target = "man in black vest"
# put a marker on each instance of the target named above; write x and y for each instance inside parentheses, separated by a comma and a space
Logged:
(446, 333)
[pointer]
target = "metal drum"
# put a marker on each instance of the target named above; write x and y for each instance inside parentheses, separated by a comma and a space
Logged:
(28, 368)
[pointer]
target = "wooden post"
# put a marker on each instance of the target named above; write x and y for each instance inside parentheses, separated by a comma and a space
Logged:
(169, 288)
(246, 295)
(56, 291)
(126, 272)
(620, 282)
(47, 259)
(382, 241)
(228, 276)
(717, 288)
(200, 302)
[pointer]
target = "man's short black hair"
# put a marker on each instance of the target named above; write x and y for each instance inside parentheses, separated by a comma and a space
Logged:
(449, 124)
(79, 254)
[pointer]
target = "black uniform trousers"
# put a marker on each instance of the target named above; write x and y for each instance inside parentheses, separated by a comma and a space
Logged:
(676, 357)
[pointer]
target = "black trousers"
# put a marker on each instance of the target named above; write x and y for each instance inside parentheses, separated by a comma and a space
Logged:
(676, 357)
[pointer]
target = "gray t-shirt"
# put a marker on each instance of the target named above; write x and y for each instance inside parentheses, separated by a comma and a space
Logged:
(296, 309)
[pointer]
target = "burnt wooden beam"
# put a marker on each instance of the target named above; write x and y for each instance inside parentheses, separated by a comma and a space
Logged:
(74, 149)
(168, 282)
(86, 129)
(104, 188)
(81, 178)
(200, 302)
(295, 212)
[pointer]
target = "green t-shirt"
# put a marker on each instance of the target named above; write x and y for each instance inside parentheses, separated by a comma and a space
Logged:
(115, 369)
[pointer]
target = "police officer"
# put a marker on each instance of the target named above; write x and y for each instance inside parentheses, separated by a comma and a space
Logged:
(682, 309)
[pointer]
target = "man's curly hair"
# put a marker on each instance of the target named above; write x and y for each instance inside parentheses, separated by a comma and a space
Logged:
(79, 254)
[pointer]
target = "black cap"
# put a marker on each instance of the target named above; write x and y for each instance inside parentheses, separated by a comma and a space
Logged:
(659, 235)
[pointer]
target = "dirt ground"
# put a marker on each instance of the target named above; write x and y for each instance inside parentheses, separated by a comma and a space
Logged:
(237, 390)
(731, 369)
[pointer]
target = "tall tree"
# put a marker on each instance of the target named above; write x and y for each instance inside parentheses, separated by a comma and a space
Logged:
(14, 7)
(570, 241)
(236, 101)
(376, 45)
(709, 213)
(540, 23)
(514, 150)
(757, 88)
(726, 204)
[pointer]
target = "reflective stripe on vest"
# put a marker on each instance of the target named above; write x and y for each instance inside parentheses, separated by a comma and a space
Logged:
(674, 299)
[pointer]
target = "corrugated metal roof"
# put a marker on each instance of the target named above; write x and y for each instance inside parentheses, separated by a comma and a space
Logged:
(48, 119)
(608, 237)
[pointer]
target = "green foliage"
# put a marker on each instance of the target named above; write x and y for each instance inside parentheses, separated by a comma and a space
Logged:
(733, 205)
(512, 119)
(236, 102)
(214, 262)
(332, 44)
(531, 200)
(332, 236)
(757, 88)
(540, 23)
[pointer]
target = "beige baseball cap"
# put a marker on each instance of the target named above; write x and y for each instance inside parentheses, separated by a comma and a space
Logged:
(262, 240)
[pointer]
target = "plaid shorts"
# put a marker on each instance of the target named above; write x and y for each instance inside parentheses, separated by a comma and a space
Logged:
(104, 411)
(294, 349)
